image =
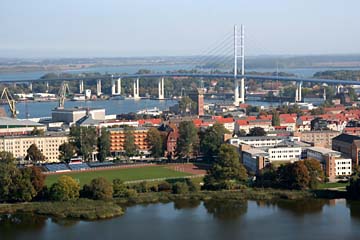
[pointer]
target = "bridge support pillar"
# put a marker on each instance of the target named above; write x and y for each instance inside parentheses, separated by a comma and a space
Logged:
(31, 86)
(98, 88)
(136, 89)
(161, 89)
(339, 88)
(81, 86)
(298, 97)
(118, 83)
(116, 87)
(113, 90)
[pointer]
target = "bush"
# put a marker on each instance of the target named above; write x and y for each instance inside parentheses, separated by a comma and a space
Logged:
(142, 187)
(193, 187)
(130, 193)
(164, 187)
(180, 188)
(65, 189)
(119, 188)
(100, 189)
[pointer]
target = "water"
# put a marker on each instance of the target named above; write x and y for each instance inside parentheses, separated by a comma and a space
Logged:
(118, 69)
(301, 72)
(310, 219)
(43, 109)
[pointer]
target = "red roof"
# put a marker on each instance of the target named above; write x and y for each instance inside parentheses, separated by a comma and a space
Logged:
(153, 121)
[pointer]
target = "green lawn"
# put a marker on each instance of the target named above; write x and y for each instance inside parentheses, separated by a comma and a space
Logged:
(333, 185)
(129, 174)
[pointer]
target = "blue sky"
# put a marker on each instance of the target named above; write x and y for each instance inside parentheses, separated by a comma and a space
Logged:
(95, 28)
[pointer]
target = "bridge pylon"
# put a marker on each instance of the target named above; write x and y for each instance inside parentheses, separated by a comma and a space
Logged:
(239, 91)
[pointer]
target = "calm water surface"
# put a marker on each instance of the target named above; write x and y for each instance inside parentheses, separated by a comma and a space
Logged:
(314, 219)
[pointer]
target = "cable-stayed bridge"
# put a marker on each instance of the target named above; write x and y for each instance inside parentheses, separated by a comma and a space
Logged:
(225, 59)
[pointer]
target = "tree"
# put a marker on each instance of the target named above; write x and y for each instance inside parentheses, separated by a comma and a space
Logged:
(211, 140)
(65, 189)
(294, 176)
(103, 145)
(353, 190)
(257, 131)
(34, 154)
(67, 151)
(18, 185)
(188, 140)
(316, 172)
(275, 119)
(100, 189)
(85, 140)
(37, 132)
(186, 104)
(22, 189)
(129, 143)
(227, 172)
(36, 177)
(8, 172)
(267, 177)
(156, 142)
(180, 188)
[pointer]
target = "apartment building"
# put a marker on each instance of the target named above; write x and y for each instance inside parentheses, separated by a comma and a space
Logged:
(118, 135)
(48, 145)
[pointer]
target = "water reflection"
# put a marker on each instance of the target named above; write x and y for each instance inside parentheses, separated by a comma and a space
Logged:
(226, 210)
(186, 204)
(21, 222)
(354, 207)
(303, 207)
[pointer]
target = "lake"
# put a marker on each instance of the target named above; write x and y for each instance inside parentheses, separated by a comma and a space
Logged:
(296, 219)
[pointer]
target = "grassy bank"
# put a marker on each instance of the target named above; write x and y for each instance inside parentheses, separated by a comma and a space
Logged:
(128, 174)
(246, 194)
(84, 209)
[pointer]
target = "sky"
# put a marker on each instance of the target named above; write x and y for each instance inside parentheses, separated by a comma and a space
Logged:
(126, 28)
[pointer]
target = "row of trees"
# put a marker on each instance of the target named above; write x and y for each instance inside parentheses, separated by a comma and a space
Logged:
(299, 175)
(84, 141)
(68, 189)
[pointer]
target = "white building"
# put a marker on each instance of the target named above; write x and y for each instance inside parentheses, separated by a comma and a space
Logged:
(334, 164)
(48, 145)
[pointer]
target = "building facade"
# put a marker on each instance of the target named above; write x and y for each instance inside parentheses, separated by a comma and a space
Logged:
(118, 135)
(48, 145)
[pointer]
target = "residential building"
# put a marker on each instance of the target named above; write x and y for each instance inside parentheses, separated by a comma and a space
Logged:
(118, 135)
(48, 145)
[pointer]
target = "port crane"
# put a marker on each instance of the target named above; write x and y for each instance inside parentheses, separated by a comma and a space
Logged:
(6, 95)
(64, 89)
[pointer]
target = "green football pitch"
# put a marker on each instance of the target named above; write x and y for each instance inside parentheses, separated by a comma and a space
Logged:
(127, 174)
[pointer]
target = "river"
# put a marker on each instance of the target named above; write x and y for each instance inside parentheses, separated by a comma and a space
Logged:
(300, 219)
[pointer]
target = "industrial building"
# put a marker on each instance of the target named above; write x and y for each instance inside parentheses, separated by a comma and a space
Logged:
(12, 126)
(72, 115)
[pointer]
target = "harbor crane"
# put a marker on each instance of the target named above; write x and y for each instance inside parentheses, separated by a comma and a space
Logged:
(64, 89)
(10, 100)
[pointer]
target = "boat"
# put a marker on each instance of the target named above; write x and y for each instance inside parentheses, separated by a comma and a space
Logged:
(79, 97)
(150, 111)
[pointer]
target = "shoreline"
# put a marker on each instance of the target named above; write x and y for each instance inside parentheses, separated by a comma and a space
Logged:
(92, 210)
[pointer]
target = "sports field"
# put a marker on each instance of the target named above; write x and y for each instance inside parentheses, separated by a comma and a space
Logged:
(127, 174)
